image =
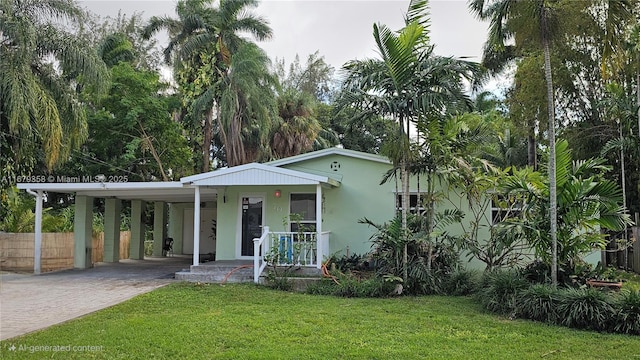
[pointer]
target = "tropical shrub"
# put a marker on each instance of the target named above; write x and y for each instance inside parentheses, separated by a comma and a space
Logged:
(501, 290)
(586, 308)
(587, 203)
(461, 282)
(349, 286)
(627, 319)
(539, 302)
(354, 262)
(429, 261)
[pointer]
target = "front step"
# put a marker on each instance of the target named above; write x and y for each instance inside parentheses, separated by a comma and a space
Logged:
(234, 273)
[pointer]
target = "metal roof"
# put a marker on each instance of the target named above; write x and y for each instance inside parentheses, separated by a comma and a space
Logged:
(327, 152)
(170, 191)
(184, 190)
(257, 174)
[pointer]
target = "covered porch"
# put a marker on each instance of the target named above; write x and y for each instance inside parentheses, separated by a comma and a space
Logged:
(243, 203)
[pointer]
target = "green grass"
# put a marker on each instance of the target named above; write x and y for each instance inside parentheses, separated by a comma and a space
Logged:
(187, 321)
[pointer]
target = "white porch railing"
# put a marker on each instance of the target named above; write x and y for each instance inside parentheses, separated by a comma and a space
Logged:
(261, 246)
(289, 248)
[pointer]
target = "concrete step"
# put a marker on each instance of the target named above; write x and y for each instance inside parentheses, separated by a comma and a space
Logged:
(232, 275)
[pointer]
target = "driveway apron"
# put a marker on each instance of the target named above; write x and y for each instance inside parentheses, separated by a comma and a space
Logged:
(33, 302)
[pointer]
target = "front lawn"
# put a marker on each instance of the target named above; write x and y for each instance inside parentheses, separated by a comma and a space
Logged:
(187, 321)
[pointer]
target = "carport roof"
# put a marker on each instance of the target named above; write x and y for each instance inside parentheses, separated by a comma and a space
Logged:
(169, 191)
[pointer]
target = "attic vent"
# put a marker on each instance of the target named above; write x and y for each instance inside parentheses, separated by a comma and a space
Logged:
(335, 166)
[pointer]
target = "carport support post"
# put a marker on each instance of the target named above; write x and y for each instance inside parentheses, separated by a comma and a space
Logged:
(196, 227)
(136, 246)
(159, 226)
(37, 249)
(82, 234)
(112, 209)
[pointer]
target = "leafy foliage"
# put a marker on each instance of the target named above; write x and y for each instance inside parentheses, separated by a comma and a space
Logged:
(586, 309)
(501, 290)
(539, 302)
(42, 67)
(586, 203)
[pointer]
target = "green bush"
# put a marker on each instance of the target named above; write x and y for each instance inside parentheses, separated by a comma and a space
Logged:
(627, 319)
(349, 286)
(461, 283)
(586, 308)
(501, 291)
(539, 302)
(322, 287)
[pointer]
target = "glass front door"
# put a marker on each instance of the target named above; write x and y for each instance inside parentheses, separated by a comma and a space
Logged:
(251, 222)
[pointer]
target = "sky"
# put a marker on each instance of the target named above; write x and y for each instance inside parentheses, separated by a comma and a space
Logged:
(341, 30)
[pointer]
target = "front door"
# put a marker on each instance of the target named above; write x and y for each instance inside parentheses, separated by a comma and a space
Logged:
(252, 208)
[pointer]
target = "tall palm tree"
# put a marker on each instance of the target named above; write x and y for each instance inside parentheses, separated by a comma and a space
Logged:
(538, 22)
(41, 67)
(535, 22)
(246, 105)
(408, 84)
(204, 29)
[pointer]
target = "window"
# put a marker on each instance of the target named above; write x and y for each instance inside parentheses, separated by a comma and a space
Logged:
(304, 206)
(503, 209)
(413, 203)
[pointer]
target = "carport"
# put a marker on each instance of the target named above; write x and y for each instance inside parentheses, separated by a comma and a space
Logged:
(160, 193)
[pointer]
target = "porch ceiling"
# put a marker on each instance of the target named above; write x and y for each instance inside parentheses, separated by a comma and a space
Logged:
(172, 191)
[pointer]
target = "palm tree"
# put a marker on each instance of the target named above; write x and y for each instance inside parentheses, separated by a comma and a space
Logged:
(246, 106)
(41, 68)
(587, 203)
(529, 21)
(539, 22)
(203, 30)
(297, 128)
(408, 84)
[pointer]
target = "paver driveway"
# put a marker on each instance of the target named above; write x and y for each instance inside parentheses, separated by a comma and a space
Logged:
(33, 302)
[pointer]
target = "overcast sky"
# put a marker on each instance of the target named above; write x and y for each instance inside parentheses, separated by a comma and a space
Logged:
(341, 30)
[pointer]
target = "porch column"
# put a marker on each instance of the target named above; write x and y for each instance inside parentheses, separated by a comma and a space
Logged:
(82, 234)
(159, 226)
(37, 249)
(136, 244)
(320, 255)
(196, 227)
(112, 209)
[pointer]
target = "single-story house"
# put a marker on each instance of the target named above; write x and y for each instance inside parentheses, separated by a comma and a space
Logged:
(230, 213)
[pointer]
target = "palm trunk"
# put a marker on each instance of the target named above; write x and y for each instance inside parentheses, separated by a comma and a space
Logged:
(553, 200)
(638, 98)
(404, 178)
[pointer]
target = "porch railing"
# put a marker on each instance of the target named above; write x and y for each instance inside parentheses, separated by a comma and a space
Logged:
(289, 248)
(261, 246)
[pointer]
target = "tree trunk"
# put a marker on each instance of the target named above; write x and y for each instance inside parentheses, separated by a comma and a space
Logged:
(531, 147)
(553, 200)
(206, 140)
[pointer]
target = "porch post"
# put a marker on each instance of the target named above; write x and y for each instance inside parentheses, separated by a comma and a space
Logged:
(112, 230)
(159, 226)
(320, 255)
(136, 246)
(82, 234)
(196, 227)
(37, 250)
